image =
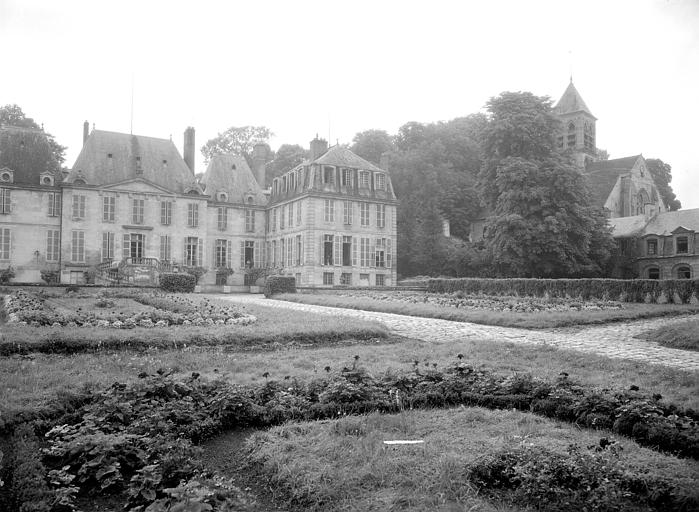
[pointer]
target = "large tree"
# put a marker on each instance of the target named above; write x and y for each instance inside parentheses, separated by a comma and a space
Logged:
(662, 176)
(371, 144)
(542, 224)
(285, 158)
(13, 115)
(238, 140)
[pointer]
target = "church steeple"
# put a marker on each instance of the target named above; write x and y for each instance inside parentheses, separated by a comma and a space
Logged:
(577, 126)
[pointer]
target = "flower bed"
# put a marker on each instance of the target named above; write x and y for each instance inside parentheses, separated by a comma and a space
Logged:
(462, 300)
(28, 309)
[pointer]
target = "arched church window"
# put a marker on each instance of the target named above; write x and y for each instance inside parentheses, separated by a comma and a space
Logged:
(571, 135)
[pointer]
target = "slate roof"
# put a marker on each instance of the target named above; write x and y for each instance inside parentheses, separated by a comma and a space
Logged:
(665, 223)
(160, 161)
(602, 176)
(27, 152)
(232, 175)
(571, 101)
(343, 157)
(624, 227)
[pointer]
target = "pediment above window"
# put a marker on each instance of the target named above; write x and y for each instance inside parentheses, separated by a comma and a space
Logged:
(47, 179)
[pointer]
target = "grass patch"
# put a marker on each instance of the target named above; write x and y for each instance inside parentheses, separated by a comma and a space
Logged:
(533, 320)
(344, 465)
(683, 336)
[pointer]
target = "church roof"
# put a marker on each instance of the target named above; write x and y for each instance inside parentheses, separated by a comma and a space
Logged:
(343, 157)
(232, 175)
(27, 152)
(603, 175)
(571, 102)
(111, 157)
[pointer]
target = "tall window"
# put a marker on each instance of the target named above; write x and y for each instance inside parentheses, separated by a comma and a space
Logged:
(165, 248)
(107, 246)
(5, 235)
(53, 244)
(365, 259)
(133, 246)
(329, 210)
(249, 221)
(291, 214)
(682, 245)
(299, 250)
(222, 218)
(347, 212)
(192, 251)
(281, 217)
(273, 258)
(137, 207)
(222, 254)
(298, 214)
(346, 177)
(380, 181)
(193, 215)
(571, 135)
(108, 208)
(346, 251)
(380, 252)
(77, 247)
(364, 214)
(54, 204)
(79, 207)
(248, 253)
(328, 174)
(289, 252)
(381, 215)
(364, 177)
(165, 212)
(327, 249)
(274, 219)
(5, 200)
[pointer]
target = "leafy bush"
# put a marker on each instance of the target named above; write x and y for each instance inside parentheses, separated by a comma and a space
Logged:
(631, 290)
(279, 284)
(50, 276)
(6, 274)
(197, 272)
(178, 282)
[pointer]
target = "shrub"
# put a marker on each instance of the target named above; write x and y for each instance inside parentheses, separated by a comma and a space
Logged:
(628, 290)
(6, 274)
(197, 272)
(178, 282)
(50, 276)
(29, 488)
(279, 284)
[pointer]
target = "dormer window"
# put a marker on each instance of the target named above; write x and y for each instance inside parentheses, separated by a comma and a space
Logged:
(651, 247)
(139, 169)
(380, 181)
(222, 197)
(364, 179)
(233, 167)
(109, 155)
(346, 177)
(7, 176)
(682, 245)
(328, 174)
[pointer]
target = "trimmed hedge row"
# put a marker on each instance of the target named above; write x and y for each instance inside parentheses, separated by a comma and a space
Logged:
(178, 283)
(629, 290)
(279, 284)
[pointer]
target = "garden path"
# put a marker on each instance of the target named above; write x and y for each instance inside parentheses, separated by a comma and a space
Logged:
(614, 340)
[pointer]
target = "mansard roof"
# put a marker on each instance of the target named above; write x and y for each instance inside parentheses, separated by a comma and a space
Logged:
(112, 157)
(27, 152)
(662, 224)
(231, 175)
(571, 102)
(603, 175)
(343, 157)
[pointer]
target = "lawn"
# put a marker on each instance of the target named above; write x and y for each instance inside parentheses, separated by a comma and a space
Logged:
(684, 335)
(523, 312)
(344, 465)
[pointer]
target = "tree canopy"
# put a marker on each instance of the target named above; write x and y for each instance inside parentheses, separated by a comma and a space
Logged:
(237, 140)
(542, 223)
(371, 144)
(12, 115)
(285, 158)
(662, 176)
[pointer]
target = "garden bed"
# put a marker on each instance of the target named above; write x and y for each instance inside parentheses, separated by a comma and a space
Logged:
(506, 311)
(684, 336)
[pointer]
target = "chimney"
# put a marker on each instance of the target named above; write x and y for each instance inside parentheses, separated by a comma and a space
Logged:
(86, 131)
(259, 163)
(188, 149)
(318, 148)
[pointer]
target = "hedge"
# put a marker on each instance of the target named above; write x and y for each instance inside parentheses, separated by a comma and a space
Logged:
(630, 290)
(279, 284)
(178, 283)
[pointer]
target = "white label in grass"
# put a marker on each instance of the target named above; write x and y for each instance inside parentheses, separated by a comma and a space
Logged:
(417, 441)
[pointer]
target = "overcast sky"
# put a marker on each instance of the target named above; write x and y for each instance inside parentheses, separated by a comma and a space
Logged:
(337, 68)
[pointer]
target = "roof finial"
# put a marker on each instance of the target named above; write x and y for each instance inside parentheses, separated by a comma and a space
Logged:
(570, 64)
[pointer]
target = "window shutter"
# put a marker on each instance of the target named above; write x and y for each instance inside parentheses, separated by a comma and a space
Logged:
(146, 246)
(213, 255)
(372, 253)
(256, 254)
(337, 250)
(184, 251)
(389, 253)
(294, 251)
(242, 254)
(200, 247)
(229, 256)
(302, 259)
(354, 251)
(321, 249)
(126, 246)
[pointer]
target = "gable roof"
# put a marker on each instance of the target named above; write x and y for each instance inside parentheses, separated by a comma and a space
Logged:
(602, 176)
(232, 175)
(27, 152)
(343, 157)
(160, 162)
(571, 102)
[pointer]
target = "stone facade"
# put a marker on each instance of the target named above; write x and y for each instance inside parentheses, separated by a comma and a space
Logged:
(131, 208)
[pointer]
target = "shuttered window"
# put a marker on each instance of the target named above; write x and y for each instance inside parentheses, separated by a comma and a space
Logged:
(364, 214)
(79, 207)
(77, 246)
(5, 244)
(299, 250)
(329, 210)
(137, 208)
(54, 204)
(298, 213)
(165, 248)
(53, 244)
(165, 212)
(381, 215)
(222, 253)
(250, 221)
(347, 212)
(193, 251)
(107, 246)
(5, 200)
(108, 208)
(193, 215)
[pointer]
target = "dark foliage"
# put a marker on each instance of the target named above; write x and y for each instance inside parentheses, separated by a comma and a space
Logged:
(178, 283)
(279, 284)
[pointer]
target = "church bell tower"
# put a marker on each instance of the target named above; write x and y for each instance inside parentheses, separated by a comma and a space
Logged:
(577, 126)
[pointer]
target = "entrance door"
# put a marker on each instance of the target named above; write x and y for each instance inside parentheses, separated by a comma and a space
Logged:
(136, 247)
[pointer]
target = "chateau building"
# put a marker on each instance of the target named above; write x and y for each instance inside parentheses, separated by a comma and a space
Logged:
(131, 208)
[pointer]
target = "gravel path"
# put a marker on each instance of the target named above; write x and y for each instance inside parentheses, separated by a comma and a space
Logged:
(610, 340)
